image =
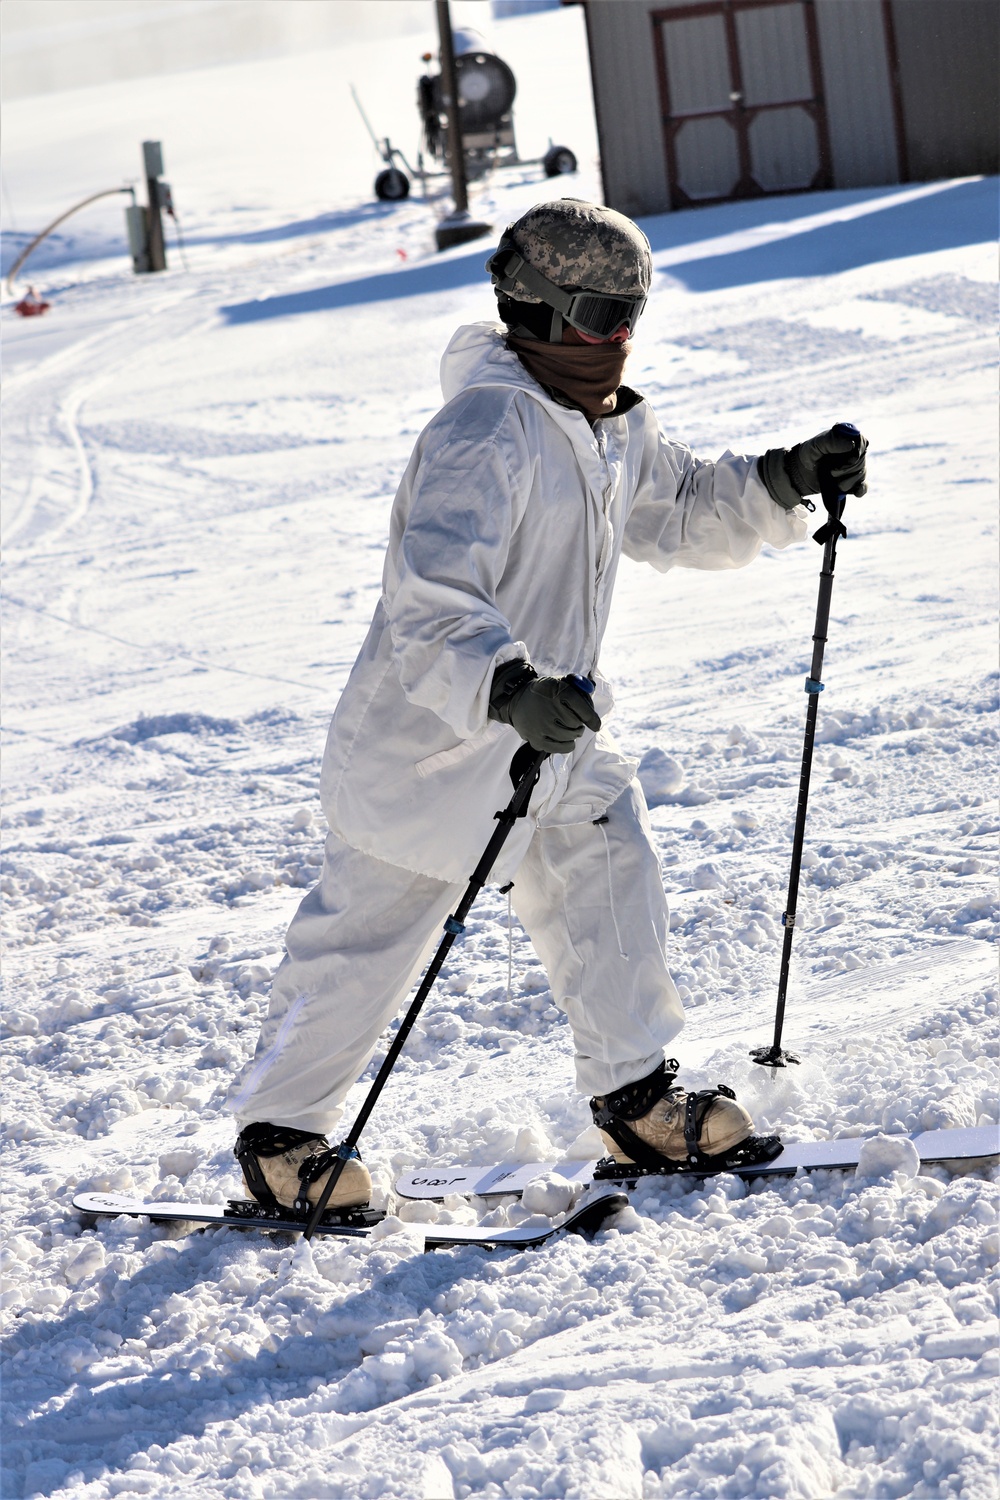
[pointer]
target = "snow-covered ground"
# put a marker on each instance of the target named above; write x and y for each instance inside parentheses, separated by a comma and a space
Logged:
(198, 474)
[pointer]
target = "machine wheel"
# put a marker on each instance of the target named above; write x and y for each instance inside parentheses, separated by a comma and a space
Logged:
(558, 160)
(392, 185)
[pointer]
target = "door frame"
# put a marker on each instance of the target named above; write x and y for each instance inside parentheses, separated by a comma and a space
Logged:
(739, 115)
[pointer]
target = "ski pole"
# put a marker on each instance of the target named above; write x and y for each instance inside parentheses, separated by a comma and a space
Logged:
(524, 770)
(827, 536)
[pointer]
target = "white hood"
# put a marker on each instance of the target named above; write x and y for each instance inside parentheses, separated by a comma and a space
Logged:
(478, 355)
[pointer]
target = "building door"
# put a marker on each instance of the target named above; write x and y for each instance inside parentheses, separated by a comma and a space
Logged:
(742, 101)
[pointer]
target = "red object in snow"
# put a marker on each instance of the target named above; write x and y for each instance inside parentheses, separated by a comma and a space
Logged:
(31, 306)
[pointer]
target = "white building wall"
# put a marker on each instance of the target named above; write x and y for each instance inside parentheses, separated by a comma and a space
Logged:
(858, 92)
(627, 102)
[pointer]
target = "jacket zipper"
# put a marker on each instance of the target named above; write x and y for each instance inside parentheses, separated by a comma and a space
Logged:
(605, 540)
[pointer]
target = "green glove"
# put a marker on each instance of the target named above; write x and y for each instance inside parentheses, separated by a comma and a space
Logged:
(792, 473)
(550, 713)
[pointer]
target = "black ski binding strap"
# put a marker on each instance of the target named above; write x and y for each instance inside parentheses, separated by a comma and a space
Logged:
(255, 1179)
(635, 1099)
(315, 1166)
(612, 1111)
(262, 1139)
(755, 1150)
(696, 1107)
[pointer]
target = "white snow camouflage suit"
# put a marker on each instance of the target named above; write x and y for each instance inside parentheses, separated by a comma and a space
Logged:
(505, 537)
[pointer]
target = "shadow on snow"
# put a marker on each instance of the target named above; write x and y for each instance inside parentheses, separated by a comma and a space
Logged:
(962, 214)
(69, 1425)
(965, 214)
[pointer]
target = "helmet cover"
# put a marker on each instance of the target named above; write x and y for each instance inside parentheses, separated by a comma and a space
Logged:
(582, 246)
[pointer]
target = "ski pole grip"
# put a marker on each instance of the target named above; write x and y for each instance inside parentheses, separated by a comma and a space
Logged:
(829, 488)
(583, 684)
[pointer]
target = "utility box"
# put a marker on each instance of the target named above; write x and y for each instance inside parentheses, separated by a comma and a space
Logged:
(152, 158)
(138, 237)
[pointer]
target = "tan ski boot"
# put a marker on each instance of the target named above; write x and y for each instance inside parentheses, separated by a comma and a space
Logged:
(289, 1168)
(657, 1127)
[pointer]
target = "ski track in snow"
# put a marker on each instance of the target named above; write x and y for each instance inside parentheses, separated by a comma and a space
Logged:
(195, 517)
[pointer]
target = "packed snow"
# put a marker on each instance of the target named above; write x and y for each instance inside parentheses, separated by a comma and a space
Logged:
(198, 473)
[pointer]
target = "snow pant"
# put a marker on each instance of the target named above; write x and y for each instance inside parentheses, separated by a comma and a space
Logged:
(591, 900)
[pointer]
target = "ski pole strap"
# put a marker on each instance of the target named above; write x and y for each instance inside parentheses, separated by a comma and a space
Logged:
(522, 766)
(834, 527)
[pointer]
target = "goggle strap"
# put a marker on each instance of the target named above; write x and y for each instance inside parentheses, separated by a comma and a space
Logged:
(518, 269)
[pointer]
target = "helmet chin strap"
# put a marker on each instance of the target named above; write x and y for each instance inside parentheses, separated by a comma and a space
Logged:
(507, 266)
(546, 327)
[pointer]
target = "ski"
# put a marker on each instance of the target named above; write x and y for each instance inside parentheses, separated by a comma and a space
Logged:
(357, 1224)
(964, 1147)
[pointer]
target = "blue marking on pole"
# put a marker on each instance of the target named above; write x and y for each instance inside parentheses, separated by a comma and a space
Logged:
(454, 927)
(813, 686)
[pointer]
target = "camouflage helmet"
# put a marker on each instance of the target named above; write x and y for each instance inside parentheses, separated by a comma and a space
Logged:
(571, 246)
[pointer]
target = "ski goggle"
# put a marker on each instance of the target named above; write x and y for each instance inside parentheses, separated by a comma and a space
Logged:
(601, 315)
(598, 313)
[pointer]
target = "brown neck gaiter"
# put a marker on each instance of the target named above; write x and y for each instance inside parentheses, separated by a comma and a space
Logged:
(588, 375)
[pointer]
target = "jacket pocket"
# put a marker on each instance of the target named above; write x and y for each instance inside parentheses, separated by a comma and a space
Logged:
(442, 759)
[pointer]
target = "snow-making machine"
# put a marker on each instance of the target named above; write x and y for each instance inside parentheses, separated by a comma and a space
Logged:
(486, 90)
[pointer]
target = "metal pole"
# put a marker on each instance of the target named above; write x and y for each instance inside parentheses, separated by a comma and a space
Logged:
(361, 112)
(152, 156)
(773, 1056)
(449, 98)
(459, 226)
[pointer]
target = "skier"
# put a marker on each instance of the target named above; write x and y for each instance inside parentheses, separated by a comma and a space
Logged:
(505, 536)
